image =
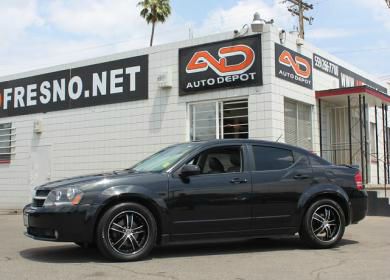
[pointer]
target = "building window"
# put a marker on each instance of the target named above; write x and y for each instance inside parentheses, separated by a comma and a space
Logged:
(6, 140)
(219, 120)
(235, 119)
(203, 121)
(298, 124)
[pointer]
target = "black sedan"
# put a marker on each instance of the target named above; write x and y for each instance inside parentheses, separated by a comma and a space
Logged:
(201, 191)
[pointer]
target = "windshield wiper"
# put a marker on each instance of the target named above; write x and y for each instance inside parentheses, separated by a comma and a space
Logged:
(130, 170)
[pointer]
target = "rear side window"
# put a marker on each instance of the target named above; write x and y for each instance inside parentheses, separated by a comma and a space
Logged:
(270, 158)
(317, 161)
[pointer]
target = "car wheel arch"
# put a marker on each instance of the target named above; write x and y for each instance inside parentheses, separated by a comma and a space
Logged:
(327, 192)
(148, 203)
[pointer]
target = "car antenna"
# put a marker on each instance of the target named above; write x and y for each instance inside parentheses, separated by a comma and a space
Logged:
(279, 137)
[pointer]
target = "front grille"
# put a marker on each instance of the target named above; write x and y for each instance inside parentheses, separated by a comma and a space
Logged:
(38, 202)
(40, 197)
(43, 193)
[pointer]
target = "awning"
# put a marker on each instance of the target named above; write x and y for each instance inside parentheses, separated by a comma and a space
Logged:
(363, 97)
(339, 96)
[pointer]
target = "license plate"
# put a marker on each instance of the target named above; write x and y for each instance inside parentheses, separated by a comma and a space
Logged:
(25, 220)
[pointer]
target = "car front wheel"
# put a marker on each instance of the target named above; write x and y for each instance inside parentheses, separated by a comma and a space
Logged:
(126, 232)
(323, 224)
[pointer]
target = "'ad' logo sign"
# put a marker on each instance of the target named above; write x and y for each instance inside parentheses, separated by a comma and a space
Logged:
(202, 60)
(300, 65)
(293, 67)
(224, 64)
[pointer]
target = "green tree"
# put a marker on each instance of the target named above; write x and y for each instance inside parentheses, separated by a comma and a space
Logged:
(154, 11)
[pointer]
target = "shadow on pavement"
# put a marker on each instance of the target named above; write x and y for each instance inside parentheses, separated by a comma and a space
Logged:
(63, 254)
(74, 254)
(250, 246)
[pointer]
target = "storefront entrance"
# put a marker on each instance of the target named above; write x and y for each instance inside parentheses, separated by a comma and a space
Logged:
(353, 130)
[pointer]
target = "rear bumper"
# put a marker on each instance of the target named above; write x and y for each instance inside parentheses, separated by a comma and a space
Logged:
(63, 224)
(359, 206)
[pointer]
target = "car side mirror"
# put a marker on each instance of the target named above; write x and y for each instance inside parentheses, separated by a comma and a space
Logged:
(189, 170)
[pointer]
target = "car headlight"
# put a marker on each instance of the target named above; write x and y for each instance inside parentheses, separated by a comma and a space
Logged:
(64, 196)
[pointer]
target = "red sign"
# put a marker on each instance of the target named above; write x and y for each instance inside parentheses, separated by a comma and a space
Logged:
(202, 60)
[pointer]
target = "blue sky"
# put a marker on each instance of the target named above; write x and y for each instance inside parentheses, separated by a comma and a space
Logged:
(40, 33)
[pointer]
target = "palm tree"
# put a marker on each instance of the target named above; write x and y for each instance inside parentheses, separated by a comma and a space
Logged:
(154, 11)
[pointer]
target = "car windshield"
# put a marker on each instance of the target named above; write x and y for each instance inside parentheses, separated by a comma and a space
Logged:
(163, 159)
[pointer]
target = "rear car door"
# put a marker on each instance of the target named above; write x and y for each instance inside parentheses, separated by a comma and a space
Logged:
(279, 177)
(215, 201)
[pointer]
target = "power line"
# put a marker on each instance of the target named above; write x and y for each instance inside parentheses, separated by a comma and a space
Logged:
(298, 8)
(362, 50)
(319, 2)
(62, 54)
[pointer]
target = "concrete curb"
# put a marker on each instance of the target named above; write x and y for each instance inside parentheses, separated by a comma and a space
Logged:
(10, 211)
(373, 187)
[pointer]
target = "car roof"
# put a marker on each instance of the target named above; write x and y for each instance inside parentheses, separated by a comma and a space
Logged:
(253, 142)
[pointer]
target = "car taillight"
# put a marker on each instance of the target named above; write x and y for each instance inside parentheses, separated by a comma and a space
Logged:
(359, 181)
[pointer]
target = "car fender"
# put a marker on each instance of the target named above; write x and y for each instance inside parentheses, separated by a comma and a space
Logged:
(136, 192)
(322, 190)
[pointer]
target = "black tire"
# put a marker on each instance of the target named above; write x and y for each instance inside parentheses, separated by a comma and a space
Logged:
(86, 245)
(323, 224)
(122, 228)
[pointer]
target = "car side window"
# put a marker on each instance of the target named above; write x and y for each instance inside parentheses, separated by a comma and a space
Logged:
(271, 158)
(317, 161)
(219, 160)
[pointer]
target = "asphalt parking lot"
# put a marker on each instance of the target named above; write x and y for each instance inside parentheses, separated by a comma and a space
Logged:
(364, 253)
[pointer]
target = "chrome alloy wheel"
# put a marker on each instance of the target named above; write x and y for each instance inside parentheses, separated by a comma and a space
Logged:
(128, 232)
(325, 223)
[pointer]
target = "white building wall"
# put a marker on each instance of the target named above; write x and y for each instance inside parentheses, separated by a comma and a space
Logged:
(321, 81)
(108, 137)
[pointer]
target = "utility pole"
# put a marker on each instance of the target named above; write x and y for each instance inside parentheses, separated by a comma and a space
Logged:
(388, 3)
(299, 8)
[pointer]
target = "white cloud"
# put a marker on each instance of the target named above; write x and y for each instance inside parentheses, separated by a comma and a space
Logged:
(378, 9)
(329, 33)
(45, 33)
(241, 13)
(103, 18)
(16, 17)
(62, 31)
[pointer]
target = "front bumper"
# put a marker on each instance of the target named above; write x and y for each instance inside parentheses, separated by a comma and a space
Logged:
(64, 223)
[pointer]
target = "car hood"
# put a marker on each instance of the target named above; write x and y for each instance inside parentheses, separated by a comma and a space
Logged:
(88, 180)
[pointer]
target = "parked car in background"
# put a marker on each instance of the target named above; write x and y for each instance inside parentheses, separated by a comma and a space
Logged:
(201, 191)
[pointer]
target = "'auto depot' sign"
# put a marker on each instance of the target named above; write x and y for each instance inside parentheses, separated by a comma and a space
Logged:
(105, 83)
(231, 63)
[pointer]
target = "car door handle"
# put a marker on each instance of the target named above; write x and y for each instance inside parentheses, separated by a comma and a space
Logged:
(238, 181)
(301, 177)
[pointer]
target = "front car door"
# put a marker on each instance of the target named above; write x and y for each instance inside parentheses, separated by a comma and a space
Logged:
(279, 178)
(215, 201)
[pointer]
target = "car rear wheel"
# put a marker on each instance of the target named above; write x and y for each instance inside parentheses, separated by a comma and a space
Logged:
(126, 232)
(323, 224)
